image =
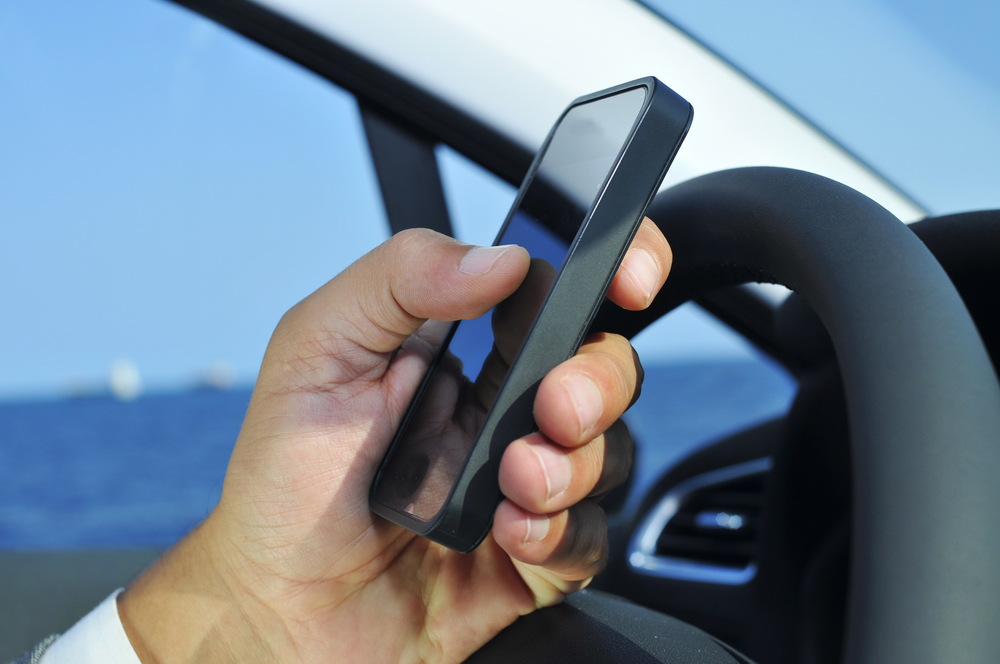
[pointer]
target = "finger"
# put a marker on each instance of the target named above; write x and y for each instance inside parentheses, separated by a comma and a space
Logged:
(543, 478)
(418, 274)
(584, 395)
(640, 376)
(570, 545)
(617, 462)
(643, 270)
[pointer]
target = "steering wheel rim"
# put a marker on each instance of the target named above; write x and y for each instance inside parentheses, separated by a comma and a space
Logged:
(923, 408)
(923, 400)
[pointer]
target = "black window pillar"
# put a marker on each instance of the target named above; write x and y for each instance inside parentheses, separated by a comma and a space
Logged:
(408, 173)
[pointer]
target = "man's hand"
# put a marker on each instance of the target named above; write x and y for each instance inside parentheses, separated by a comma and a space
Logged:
(292, 566)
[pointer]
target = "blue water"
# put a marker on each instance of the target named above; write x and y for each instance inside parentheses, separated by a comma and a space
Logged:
(97, 472)
(101, 472)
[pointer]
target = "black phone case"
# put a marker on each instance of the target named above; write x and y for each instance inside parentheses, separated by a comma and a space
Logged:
(559, 328)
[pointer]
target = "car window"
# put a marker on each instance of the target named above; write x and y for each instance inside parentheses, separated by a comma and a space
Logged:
(167, 190)
(911, 87)
(478, 201)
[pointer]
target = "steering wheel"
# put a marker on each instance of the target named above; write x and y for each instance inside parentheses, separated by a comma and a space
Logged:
(923, 407)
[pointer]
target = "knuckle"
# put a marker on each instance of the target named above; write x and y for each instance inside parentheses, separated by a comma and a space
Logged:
(617, 459)
(612, 358)
(640, 373)
(410, 243)
(406, 236)
(584, 548)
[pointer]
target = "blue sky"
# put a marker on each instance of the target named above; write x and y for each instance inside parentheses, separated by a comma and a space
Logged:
(168, 189)
(911, 86)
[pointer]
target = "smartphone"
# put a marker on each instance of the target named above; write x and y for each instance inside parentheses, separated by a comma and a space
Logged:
(576, 213)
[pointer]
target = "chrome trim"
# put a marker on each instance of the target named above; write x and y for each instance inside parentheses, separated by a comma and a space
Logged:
(642, 557)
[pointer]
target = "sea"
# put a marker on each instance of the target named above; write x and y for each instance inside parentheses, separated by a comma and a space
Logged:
(96, 472)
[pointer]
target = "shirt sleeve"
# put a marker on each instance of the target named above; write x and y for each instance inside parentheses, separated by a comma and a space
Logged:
(98, 638)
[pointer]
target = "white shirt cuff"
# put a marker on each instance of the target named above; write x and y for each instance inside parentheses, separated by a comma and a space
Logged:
(98, 638)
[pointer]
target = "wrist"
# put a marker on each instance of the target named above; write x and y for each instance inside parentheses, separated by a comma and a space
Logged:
(192, 606)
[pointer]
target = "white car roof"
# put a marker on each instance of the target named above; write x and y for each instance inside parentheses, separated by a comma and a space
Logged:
(516, 64)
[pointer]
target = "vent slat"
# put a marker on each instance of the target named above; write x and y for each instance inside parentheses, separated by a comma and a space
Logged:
(698, 549)
(703, 531)
(724, 498)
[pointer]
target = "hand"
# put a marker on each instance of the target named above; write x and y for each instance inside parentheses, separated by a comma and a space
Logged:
(435, 444)
(292, 566)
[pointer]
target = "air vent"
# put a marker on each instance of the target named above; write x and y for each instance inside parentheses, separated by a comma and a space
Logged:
(705, 528)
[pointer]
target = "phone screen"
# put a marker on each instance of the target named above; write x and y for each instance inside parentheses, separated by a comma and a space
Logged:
(444, 421)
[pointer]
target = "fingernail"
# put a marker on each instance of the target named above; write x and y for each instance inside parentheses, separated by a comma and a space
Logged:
(556, 467)
(643, 268)
(536, 528)
(587, 400)
(479, 260)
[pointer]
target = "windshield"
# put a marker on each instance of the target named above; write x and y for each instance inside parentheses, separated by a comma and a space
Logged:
(910, 87)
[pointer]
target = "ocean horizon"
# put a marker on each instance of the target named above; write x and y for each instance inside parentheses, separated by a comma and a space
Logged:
(97, 472)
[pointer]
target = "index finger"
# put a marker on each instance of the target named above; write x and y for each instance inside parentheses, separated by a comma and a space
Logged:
(643, 270)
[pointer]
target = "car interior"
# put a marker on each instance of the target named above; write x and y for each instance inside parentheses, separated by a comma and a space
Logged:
(861, 526)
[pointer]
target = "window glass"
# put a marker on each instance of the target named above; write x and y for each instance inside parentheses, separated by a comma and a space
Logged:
(912, 87)
(167, 190)
(478, 201)
(703, 381)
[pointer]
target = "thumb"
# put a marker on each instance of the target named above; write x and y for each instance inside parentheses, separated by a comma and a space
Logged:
(417, 274)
